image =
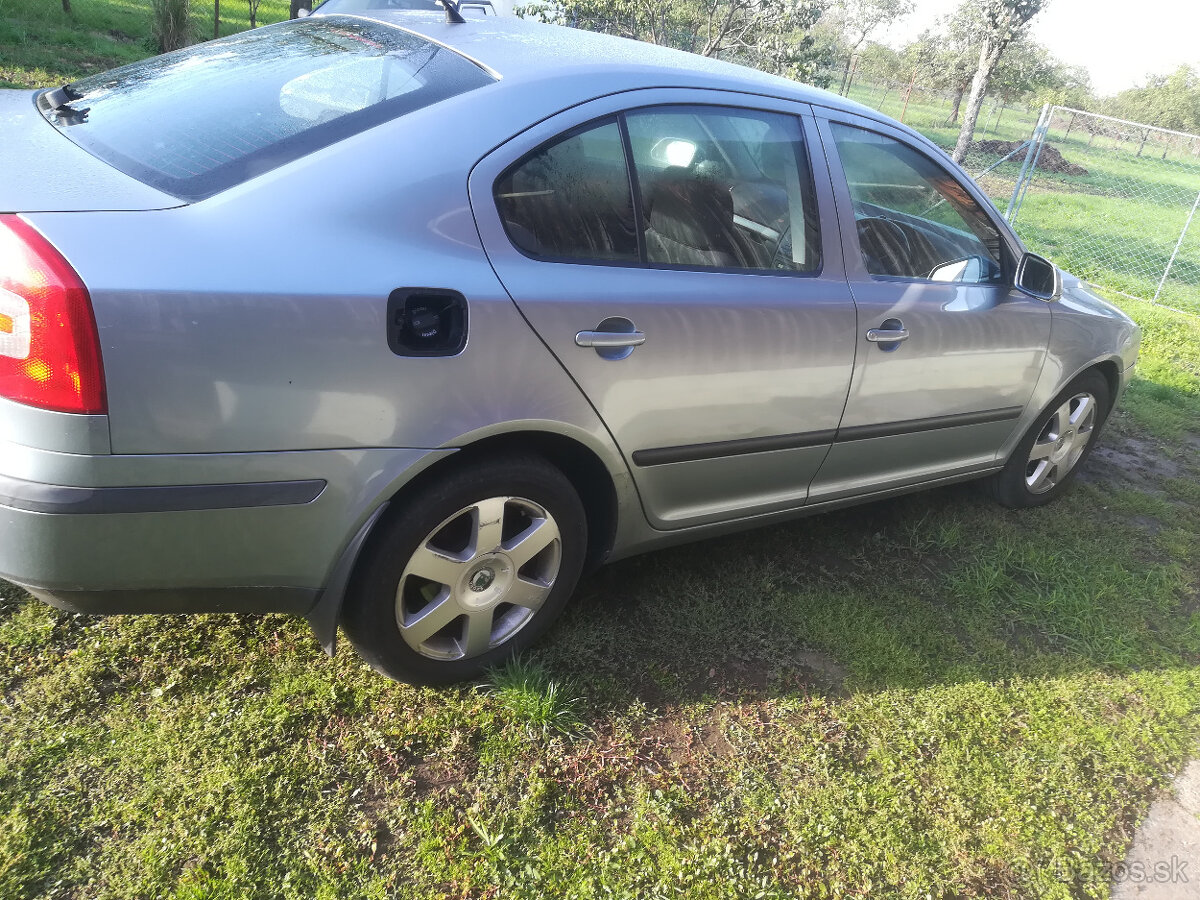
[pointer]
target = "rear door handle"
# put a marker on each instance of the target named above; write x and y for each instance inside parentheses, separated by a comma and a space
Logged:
(610, 339)
(887, 335)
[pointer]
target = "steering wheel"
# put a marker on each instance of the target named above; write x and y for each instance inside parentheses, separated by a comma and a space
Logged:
(886, 245)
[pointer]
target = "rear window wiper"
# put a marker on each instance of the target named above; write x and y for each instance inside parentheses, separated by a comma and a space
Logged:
(58, 101)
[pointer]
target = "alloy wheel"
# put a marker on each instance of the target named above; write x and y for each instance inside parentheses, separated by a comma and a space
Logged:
(478, 578)
(1060, 443)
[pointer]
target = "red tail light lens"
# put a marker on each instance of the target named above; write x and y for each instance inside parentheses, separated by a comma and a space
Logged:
(49, 348)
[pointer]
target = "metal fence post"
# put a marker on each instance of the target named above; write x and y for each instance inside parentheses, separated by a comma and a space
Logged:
(1048, 111)
(1008, 213)
(1175, 252)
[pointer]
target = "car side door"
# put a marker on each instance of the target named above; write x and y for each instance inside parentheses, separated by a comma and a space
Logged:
(677, 251)
(948, 352)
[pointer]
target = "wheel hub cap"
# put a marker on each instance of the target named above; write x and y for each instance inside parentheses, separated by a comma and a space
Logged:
(478, 578)
(485, 582)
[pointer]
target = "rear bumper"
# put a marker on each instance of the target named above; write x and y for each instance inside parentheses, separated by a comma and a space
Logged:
(241, 532)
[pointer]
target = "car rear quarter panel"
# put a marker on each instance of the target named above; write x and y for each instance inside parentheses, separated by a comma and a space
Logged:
(255, 321)
(244, 339)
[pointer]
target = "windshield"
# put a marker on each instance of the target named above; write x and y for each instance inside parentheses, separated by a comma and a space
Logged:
(197, 121)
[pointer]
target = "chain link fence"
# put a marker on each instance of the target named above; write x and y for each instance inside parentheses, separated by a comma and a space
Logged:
(1115, 202)
(1111, 201)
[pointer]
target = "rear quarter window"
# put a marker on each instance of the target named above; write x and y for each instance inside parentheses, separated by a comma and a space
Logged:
(200, 120)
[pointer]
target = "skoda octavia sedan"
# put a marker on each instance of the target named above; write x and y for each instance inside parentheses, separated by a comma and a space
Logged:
(402, 324)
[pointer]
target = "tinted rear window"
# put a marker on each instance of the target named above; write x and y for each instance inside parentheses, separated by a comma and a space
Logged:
(197, 121)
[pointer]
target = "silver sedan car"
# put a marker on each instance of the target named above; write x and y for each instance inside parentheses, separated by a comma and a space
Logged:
(401, 325)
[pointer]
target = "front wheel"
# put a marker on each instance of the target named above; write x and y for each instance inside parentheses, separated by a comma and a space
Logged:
(473, 569)
(1051, 452)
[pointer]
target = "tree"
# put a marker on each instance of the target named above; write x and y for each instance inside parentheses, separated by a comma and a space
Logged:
(859, 19)
(947, 56)
(1001, 21)
(1168, 101)
(253, 4)
(772, 35)
(169, 24)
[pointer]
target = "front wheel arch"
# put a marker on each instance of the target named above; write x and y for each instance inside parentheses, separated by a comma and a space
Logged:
(1009, 486)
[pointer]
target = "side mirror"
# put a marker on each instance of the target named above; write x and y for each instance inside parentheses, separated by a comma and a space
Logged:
(1038, 277)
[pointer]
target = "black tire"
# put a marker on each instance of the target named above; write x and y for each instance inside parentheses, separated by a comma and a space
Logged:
(1012, 487)
(438, 517)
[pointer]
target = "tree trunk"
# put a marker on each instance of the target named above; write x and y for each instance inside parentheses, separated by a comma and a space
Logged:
(1142, 145)
(1070, 125)
(952, 119)
(67, 6)
(989, 55)
(216, 19)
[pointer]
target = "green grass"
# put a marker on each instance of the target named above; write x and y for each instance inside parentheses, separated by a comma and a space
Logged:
(929, 697)
(41, 46)
(925, 697)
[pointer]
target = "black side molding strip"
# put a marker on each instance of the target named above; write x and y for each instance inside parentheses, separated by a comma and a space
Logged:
(661, 456)
(912, 426)
(33, 496)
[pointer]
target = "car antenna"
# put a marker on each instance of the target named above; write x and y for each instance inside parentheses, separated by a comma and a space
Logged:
(453, 16)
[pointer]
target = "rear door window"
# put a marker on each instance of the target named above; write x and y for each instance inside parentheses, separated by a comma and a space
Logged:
(724, 188)
(200, 120)
(716, 187)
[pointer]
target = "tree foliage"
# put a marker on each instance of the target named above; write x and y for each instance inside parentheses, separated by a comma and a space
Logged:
(772, 35)
(858, 20)
(1168, 101)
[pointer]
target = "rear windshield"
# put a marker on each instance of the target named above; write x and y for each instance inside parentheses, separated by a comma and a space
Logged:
(197, 121)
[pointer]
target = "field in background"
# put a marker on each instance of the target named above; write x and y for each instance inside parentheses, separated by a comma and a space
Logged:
(1116, 226)
(928, 697)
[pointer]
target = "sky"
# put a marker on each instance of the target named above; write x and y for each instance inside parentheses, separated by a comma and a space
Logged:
(1119, 42)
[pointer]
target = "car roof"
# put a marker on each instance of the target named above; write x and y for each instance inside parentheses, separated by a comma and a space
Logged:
(520, 49)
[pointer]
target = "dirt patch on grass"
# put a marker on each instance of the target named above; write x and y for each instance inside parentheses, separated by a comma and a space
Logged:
(437, 776)
(1050, 160)
(825, 672)
(1135, 461)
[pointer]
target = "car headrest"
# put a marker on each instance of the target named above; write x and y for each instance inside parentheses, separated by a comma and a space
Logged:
(692, 212)
(761, 202)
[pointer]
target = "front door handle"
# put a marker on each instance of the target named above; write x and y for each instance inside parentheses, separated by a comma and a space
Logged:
(610, 339)
(887, 335)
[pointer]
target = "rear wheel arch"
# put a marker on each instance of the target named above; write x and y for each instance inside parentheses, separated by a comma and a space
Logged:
(580, 464)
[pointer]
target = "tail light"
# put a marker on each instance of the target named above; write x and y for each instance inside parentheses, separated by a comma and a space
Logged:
(49, 348)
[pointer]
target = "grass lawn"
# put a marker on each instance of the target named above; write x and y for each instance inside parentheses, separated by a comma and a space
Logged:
(928, 697)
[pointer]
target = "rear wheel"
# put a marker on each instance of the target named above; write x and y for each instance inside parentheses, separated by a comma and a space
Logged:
(473, 569)
(1051, 452)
